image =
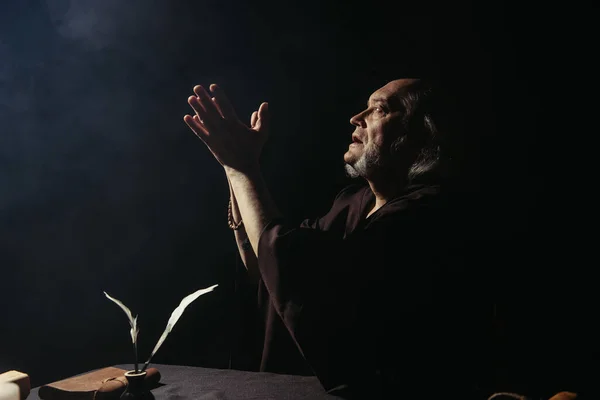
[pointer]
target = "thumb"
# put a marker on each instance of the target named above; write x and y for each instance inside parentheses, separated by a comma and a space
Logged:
(262, 124)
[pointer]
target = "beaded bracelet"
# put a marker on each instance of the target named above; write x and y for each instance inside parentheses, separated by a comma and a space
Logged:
(232, 224)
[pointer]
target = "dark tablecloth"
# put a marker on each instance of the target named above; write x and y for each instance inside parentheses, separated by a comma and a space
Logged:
(181, 382)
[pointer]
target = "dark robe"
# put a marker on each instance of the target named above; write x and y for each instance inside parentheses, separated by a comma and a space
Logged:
(370, 304)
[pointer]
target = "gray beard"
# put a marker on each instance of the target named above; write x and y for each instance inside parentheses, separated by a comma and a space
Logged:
(350, 171)
(368, 162)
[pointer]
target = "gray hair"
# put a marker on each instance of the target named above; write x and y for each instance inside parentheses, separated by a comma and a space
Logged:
(420, 118)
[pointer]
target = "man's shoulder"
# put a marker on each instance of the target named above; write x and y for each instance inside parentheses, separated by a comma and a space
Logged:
(417, 204)
(351, 191)
(347, 201)
(417, 196)
(423, 193)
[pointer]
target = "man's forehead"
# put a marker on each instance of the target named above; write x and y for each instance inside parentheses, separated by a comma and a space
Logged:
(392, 89)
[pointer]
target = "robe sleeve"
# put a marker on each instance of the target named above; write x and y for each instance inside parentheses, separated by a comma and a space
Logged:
(301, 270)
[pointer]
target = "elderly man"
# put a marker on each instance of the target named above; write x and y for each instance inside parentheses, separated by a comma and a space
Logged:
(360, 297)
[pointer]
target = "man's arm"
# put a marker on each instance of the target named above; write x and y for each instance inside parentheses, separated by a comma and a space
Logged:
(247, 254)
(292, 276)
(237, 147)
(254, 203)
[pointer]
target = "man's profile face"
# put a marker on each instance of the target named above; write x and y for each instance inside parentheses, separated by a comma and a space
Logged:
(376, 128)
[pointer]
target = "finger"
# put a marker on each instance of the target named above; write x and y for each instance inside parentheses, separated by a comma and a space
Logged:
(198, 129)
(204, 117)
(217, 106)
(223, 102)
(198, 107)
(262, 124)
(196, 126)
(213, 116)
(253, 119)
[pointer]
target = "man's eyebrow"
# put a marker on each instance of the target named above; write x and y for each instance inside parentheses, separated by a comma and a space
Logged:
(377, 100)
(393, 101)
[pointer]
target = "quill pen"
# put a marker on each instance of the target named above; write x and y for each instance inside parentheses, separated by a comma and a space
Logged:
(134, 328)
(175, 317)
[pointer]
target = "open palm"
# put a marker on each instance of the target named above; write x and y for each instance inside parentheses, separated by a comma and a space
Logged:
(233, 143)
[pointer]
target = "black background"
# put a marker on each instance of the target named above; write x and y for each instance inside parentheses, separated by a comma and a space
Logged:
(103, 186)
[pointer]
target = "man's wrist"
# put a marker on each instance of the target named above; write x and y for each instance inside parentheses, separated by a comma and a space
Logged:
(249, 171)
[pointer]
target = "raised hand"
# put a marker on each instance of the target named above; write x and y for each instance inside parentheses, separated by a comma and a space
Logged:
(234, 144)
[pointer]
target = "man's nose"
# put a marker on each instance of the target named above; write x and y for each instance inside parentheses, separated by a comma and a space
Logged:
(358, 120)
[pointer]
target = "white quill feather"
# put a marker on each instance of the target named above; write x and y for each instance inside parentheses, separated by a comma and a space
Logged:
(175, 315)
(132, 321)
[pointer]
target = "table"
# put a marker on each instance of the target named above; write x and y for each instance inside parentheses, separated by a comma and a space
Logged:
(183, 382)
